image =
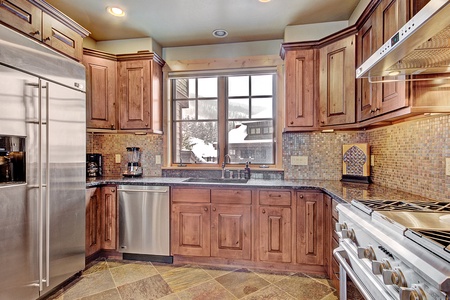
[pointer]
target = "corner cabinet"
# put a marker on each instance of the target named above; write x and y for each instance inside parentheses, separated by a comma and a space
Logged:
(337, 82)
(140, 91)
(41, 21)
(300, 84)
(101, 77)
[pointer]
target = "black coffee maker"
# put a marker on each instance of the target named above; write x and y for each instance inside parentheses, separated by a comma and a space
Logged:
(12, 159)
(94, 165)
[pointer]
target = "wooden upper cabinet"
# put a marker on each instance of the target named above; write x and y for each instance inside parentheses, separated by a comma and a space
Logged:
(43, 22)
(23, 16)
(101, 70)
(140, 92)
(310, 228)
(337, 82)
(62, 38)
(299, 88)
(392, 15)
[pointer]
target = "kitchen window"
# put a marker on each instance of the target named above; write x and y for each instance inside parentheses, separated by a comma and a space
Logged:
(224, 114)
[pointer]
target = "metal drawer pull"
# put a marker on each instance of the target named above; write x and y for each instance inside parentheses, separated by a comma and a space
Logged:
(274, 195)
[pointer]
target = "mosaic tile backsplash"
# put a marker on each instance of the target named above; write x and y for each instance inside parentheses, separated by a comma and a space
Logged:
(409, 156)
(111, 144)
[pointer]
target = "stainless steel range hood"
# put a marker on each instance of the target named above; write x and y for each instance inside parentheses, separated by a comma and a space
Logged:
(421, 46)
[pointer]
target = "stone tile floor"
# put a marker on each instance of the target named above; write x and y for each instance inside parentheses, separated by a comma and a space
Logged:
(107, 279)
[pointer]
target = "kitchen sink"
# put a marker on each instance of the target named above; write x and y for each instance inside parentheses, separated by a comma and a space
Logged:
(217, 180)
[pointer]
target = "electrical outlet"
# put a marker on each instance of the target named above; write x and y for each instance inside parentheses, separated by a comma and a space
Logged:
(372, 160)
(158, 159)
(299, 160)
(447, 166)
(118, 158)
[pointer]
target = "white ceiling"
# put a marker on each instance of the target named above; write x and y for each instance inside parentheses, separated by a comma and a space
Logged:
(174, 23)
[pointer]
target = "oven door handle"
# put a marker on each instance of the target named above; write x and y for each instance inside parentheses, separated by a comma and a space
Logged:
(346, 269)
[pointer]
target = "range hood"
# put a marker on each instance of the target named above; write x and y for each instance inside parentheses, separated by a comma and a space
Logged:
(421, 46)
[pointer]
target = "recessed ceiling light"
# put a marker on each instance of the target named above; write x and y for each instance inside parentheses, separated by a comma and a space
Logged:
(220, 33)
(116, 11)
(264, 1)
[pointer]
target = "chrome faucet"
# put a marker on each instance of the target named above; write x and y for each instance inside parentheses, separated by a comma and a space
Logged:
(224, 164)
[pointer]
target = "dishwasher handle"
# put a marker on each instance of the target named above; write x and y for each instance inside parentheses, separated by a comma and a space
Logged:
(165, 190)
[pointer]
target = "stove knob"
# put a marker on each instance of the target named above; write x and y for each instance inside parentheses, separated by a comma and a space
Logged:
(366, 253)
(413, 293)
(349, 234)
(340, 227)
(379, 266)
(394, 277)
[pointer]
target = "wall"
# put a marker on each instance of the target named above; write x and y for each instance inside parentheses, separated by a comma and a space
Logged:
(409, 156)
(110, 144)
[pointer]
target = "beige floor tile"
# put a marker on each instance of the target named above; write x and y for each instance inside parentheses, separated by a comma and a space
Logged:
(217, 271)
(185, 277)
(95, 266)
(333, 296)
(208, 290)
(272, 276)
(304, 288)
(146, 289)
(89, 285)
(242, 282)
(131, 272)
(112, 294)
(271, 292)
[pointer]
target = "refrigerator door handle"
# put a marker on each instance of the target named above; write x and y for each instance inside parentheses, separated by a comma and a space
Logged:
(47, 187)
(40, 200)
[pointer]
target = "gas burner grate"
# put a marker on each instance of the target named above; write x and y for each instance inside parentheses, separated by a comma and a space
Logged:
(394, 205)
(437, 206)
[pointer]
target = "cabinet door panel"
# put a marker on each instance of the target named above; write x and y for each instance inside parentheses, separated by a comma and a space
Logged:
(62, 38)
(23, 16)
(393, 16)
(109, 218)
(337, 82)
(100, 92)
(231, 231)
(300, 102)
(191, 229)
(275, 234)
(310, 228)
(135, 91)
(93, 216)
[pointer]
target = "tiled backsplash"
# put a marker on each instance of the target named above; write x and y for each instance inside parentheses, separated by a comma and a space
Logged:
(409, 156)
(111, 144)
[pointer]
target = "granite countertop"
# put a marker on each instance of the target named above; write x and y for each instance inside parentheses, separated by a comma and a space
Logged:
(341, 191)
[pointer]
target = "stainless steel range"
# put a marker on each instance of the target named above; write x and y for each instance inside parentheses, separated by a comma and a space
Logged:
(395, 249)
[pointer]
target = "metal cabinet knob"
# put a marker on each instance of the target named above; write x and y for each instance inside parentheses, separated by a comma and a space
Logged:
(366, 252)
(349, 234)
(214, 209)
(37, 32)
(341, 226)
(263, 211)
(394, 277)
(205, 209)
(379, 266)
(413, 293)
(300, 196)
(47, 39)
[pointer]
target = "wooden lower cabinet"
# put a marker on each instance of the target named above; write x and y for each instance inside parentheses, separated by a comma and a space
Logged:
(310, 228)
(93, 216)
(191, 229)
(275, 234)
(231, 231)
(101, 219)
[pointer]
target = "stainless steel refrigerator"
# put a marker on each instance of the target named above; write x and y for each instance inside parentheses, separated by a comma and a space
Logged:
(42, 214)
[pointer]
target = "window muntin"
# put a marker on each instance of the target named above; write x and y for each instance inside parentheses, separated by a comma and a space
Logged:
(246, 114)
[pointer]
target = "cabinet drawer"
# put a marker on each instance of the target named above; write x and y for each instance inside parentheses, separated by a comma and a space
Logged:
(334, 211)
(231, 196)
(275, 197)
(191, 195)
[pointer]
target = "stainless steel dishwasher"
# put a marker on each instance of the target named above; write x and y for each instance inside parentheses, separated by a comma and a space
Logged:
(144, 226)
